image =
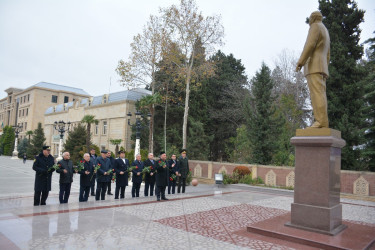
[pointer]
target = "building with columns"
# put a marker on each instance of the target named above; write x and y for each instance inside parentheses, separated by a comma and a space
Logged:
(26, 107)
(110, 109)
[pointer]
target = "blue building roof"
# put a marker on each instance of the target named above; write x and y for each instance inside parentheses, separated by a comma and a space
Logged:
(53, 86)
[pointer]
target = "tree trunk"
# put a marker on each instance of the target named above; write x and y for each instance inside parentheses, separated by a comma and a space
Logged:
(151, 129)
(187, 96)
(165, 120)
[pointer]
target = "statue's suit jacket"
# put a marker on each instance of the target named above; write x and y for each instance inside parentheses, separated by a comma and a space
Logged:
(316, 52)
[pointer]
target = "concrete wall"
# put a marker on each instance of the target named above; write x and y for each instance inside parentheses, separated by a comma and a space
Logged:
(352, 182)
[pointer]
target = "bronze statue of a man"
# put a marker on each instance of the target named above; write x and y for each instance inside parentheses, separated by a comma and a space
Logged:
(315, 59)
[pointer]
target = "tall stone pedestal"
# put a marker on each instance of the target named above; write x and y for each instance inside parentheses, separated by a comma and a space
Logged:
(316, 205)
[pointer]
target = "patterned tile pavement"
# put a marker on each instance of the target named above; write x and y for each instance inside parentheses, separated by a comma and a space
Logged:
(206, 217)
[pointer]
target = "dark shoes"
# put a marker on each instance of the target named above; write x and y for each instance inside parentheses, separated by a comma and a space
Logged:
(164, 199)
(158, 199)
(110, 194)
(92, 194)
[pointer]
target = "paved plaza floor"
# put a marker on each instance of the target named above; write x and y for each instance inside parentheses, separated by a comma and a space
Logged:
(205, 217)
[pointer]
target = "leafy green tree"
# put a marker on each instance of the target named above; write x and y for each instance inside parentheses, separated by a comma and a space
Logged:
(262, 121)
(224, 93)
(344, 89)
(22, 147)
(198, 145)
(115, 142)
(369, 110)
(75, 142)
(88, 120)
(148, 102)
(37, 142)
(29, 133)
(241, 151)
(7, 140)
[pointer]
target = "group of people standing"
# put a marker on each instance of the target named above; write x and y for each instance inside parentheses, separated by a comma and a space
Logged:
(157, 175)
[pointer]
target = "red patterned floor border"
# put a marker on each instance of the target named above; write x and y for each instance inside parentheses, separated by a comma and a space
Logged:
(110, 206)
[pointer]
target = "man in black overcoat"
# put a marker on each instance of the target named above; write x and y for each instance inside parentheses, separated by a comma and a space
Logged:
(121, 167)
(93, 157)
(85, 179)
(173, 170)
(112, 160)
(137, 176)
(102, 176)
(162, 175)
(43, 177)
(150, 177)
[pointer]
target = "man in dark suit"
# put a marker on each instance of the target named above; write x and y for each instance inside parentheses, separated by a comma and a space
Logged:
(162, 176)
(93, 157)
(121, 167)
(66, 172)
(150, 177)
(112, 160)
(43, 177)
(183, 167)
(102, 176)
(85, 179)
(137, 176)
(173, 170)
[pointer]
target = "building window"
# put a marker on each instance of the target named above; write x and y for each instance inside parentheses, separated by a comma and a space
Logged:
(27, 111)
(23, 112)
(25, 126)
(19, 113)
(104, 127)
(96, 129)
(54, 99)
(28, 97)
(66, 99)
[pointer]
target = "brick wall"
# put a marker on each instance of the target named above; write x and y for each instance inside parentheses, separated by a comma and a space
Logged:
(348, 178)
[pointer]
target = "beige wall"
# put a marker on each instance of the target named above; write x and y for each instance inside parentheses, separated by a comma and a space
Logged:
(113, 113)
(40, 99)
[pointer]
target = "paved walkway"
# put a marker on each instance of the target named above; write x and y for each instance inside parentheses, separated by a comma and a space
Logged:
(205, 217)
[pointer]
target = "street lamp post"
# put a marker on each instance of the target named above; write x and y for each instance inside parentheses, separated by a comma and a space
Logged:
(17, 130)
(61, 127)
(138, 127)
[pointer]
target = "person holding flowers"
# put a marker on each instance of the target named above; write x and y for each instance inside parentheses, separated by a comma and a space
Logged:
(162, 176)
(121, 167)
(173, 172)
(43, 175)
(112, 160)
(137, 176)
(150, 176)
(66, 177)
(93, 157)
(86, 174)
(103, 175)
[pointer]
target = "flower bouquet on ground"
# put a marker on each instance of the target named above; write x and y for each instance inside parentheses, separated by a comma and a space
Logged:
(95, 170)
(79, 166)
(173, 177)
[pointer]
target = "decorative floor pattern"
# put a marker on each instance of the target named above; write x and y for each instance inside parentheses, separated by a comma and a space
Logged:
(222, 223)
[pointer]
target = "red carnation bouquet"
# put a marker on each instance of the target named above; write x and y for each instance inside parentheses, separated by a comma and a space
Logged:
(96, 169)
(79, 166)
(172, 177)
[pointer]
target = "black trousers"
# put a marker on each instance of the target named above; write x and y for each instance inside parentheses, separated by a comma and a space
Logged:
(135, 189)
(64, 192)
(149, 185)
(181, 181)
(171, 185)
(37, 200)
(117, 191)
(84, 192)
(93, 184)
(109, 186)
(160, 191)
(101, 188)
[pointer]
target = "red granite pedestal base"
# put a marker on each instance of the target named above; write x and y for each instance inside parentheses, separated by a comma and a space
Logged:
(356, 236)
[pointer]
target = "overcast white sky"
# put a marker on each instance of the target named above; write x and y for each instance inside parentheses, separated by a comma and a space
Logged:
(79, 42)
